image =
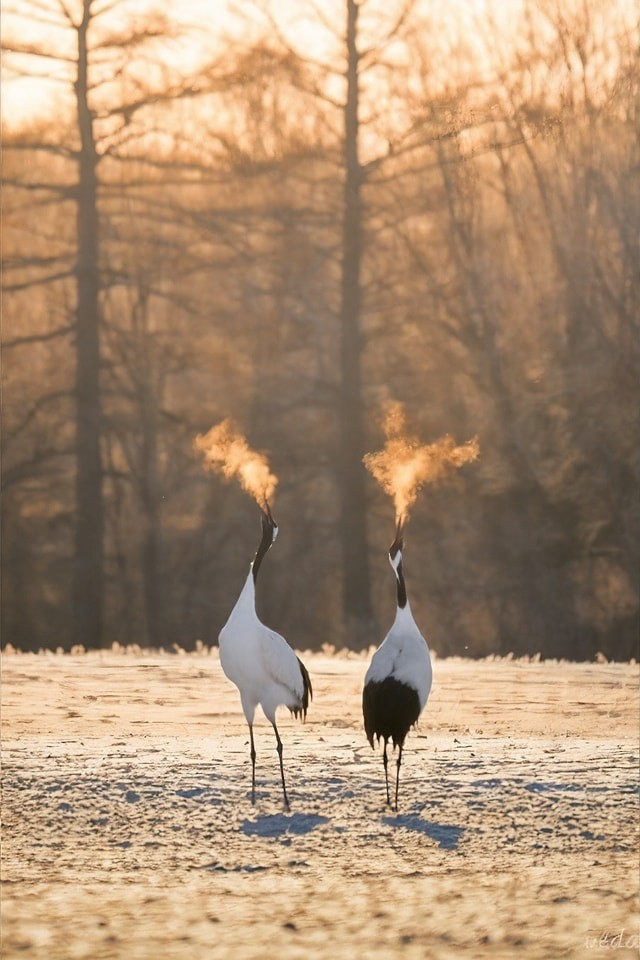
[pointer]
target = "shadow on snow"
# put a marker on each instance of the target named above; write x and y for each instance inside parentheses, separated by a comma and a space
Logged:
(445, 834)
(278, 824)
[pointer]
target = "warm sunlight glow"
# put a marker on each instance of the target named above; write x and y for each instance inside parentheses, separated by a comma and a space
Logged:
(404, 465)
(226, 451)
(469, 41)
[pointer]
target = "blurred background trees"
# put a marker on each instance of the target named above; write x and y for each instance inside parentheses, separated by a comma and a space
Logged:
(295, 233)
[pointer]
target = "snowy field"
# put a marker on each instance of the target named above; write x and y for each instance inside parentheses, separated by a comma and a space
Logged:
(128, 830)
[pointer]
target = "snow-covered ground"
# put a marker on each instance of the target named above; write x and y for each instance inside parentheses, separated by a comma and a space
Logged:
(128, 830)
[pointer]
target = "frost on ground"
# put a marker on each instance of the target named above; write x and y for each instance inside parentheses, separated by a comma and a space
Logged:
(129, 832)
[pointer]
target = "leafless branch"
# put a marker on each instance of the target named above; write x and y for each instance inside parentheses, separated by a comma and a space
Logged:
(37, 337)
(32, 50)
(38, 282)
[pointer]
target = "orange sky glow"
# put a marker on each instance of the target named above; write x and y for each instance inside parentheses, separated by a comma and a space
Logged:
(31, 97)
(478, 33)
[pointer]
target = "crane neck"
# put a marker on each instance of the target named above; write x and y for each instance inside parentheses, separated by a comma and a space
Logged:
(401, 587)
(265, 543)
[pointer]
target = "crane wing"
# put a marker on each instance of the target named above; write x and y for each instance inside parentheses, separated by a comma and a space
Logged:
(283, 666)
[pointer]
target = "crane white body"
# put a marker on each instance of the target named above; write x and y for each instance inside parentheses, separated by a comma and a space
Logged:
(403, 655)
(258, 660)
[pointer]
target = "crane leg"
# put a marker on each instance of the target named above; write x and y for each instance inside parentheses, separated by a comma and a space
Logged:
(253, 765)
(284, 786)
(385, 761)
(398, 762)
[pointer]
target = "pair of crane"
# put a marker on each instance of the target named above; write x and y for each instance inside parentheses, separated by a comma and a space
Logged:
(268, 673)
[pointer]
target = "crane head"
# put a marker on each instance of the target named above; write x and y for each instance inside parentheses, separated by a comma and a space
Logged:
(269, 526)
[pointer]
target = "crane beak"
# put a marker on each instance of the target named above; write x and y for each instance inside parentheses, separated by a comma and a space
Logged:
(266, 513)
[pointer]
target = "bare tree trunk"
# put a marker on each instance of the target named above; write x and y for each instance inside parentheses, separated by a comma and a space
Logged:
(150, 485)
(154, 621)
(88, 584)
(357, 610)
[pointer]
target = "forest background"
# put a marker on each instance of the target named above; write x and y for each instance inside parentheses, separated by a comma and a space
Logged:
(295, 215)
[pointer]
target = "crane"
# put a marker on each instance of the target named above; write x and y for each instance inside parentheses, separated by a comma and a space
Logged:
(260, 662)
(398, 681)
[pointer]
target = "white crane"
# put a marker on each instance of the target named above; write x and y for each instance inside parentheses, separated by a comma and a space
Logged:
(398, 681)
(260, 662)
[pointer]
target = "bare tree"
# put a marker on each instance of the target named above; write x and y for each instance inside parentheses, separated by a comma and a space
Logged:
(357, 607)
(99, 57)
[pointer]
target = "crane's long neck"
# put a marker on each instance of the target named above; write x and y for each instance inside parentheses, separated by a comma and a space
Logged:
(401, 587)
(265, 543)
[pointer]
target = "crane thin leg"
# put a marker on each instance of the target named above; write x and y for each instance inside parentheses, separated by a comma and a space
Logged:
(385, 761)
(253, 765)
(398, 762)
(284, 786)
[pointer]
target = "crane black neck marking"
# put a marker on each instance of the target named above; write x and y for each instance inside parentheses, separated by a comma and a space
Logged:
(265, 543)
(401, 586)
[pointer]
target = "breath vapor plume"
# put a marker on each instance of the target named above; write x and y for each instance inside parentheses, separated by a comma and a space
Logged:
(404, 465)
(226, 451)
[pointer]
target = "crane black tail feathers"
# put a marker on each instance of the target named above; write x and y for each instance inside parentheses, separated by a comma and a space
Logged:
(307, 694)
